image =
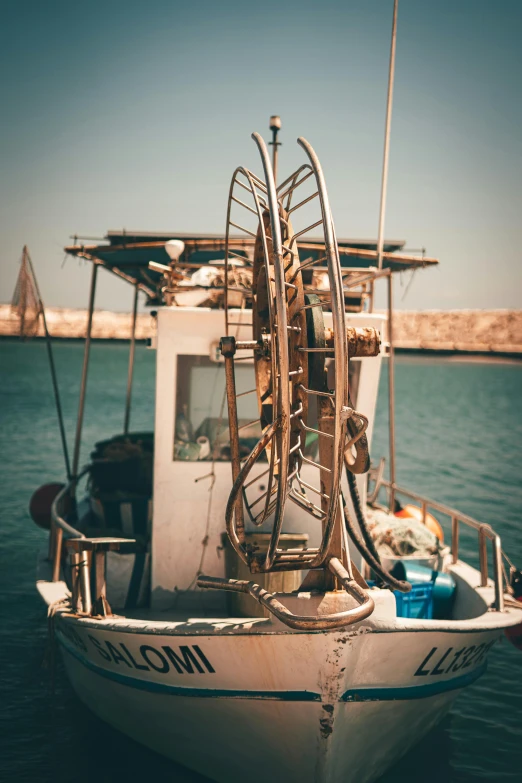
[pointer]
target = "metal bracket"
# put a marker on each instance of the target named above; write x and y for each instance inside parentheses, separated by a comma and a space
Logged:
(227, 346)
(98, 547)
(301, 622)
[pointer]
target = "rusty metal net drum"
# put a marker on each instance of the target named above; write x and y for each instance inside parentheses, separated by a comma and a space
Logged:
(290, 346)
(300, 364)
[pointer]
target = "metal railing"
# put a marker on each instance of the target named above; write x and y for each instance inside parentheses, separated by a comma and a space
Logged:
(485, 531)
(80, 570)
(81, 587)
(83, 552)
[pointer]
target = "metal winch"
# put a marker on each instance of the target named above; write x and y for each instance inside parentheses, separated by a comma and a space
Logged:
(296, 359)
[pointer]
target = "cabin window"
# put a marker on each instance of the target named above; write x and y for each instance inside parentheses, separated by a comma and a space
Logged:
(201, 431)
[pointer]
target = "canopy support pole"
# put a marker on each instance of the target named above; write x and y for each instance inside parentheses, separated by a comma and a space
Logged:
(391, 392)
(85, 369)
(131, 361)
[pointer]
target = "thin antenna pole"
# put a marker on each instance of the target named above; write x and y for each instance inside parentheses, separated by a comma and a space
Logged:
(275, 127)
(131, 361)
(384, 181)
(83, 387)
(23, 294)
(52, 367)
(391, 359)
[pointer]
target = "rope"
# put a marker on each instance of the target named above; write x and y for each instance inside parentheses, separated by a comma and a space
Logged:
(366, 545)
(359, 513)
(49, 661)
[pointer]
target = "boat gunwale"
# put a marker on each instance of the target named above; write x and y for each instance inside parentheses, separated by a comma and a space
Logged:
(256, 626)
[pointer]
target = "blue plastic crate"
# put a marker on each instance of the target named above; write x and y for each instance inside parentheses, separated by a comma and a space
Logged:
(418, 603)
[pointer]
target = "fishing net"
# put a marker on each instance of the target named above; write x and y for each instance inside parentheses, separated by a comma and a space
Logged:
(401, 536)
(26, 301)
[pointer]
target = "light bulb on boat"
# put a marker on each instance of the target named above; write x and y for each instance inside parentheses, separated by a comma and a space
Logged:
(174, 248)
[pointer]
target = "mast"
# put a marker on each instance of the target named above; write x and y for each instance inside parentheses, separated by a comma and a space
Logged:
(26, 260)
(391, 356)
(380, 245)
(386, 153)
(389, 103)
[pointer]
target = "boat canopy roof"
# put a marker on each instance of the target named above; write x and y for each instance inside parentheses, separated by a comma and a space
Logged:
(129, 253)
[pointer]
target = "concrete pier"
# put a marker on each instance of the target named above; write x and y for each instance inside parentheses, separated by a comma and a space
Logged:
(481, 332)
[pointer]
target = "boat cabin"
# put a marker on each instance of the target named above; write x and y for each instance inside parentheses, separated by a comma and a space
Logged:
(168, 490)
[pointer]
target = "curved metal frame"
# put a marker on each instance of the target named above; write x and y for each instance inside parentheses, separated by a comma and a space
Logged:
(340, 397)
(280, 358)
(59, 528)
(323, 622)
(276, 440)
(279, 335)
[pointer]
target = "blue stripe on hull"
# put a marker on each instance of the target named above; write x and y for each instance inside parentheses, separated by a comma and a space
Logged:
(180, 690)
(400, 693)
(408, 692)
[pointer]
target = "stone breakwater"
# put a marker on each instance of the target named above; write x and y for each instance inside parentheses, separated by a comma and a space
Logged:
(459, 331)
(490, 332)
(72, 324)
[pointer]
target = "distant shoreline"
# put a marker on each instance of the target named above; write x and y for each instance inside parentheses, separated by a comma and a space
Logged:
(469, 357)
(489, 357)
(472, 334)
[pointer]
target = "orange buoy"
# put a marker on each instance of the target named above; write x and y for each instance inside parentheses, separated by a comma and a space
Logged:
(41, 502)
(414, 512)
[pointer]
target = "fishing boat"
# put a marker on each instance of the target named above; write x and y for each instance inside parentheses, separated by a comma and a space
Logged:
(241, 590)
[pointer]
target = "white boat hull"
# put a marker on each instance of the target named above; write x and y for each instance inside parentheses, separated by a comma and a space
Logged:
(240, 705)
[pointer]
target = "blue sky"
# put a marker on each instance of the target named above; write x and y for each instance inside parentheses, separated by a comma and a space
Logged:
(134, 115)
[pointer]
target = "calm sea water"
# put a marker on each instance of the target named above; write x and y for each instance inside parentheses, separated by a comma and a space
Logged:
(459, 431)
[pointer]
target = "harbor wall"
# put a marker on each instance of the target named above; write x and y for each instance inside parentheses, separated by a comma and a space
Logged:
(484, 332)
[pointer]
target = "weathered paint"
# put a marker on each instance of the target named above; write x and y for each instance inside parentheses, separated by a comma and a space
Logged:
(308, 701)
